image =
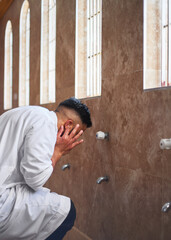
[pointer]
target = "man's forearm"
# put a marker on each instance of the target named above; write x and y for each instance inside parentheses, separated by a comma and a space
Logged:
(55, 157)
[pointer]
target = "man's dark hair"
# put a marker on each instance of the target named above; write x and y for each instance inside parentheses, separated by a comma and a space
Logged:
(80, 108)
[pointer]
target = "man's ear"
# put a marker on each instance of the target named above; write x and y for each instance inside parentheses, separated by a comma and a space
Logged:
(69, 124)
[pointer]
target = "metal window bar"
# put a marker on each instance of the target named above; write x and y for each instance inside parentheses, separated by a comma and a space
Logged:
(93, 47)
(144, 43)
(99, 48)
(169, 43)
(27, 62)
(164, 53)
(52, 50)
(11, 67)
(76, 51)
(100, 44)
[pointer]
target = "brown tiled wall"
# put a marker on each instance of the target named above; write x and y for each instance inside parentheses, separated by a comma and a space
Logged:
(128, 207)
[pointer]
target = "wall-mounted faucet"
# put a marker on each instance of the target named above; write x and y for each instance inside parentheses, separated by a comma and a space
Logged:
(102, 179)
(165, 143)
(66, 166)
(102, 135)
(166, 207)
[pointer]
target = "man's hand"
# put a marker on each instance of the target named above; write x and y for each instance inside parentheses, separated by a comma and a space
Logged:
(66, 141)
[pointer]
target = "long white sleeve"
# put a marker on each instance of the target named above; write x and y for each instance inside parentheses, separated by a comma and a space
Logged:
(36, 164)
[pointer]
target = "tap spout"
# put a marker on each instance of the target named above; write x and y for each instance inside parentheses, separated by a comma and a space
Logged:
(166, 207)
(102, 179)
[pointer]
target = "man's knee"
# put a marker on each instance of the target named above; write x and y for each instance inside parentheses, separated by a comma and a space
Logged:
(72, 214)
(65, 226)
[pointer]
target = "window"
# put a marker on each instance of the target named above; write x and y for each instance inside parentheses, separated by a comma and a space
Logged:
(24, 56)
(8, 67)
(88, 48)
(157, 43)
(48, 52)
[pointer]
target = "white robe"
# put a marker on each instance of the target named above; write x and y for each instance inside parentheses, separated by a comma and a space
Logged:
(27, 209)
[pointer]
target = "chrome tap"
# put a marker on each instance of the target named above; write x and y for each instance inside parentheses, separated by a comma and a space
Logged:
(166, 207)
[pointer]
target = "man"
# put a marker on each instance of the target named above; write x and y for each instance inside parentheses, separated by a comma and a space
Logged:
(32, 140)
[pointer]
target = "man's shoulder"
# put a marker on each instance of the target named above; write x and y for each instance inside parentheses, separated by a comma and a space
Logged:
(27, 113)
(29, 110)
(37, 112)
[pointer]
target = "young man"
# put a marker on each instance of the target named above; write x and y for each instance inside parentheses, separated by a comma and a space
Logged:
(32, 140)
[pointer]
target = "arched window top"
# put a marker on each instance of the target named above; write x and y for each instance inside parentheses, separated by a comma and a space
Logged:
(24, 9)
(8, 66)
(24, 16)
(8, 29)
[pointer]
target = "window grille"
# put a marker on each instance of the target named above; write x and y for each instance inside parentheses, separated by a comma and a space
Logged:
(94, 16)
(157, 43)
(88, 48)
